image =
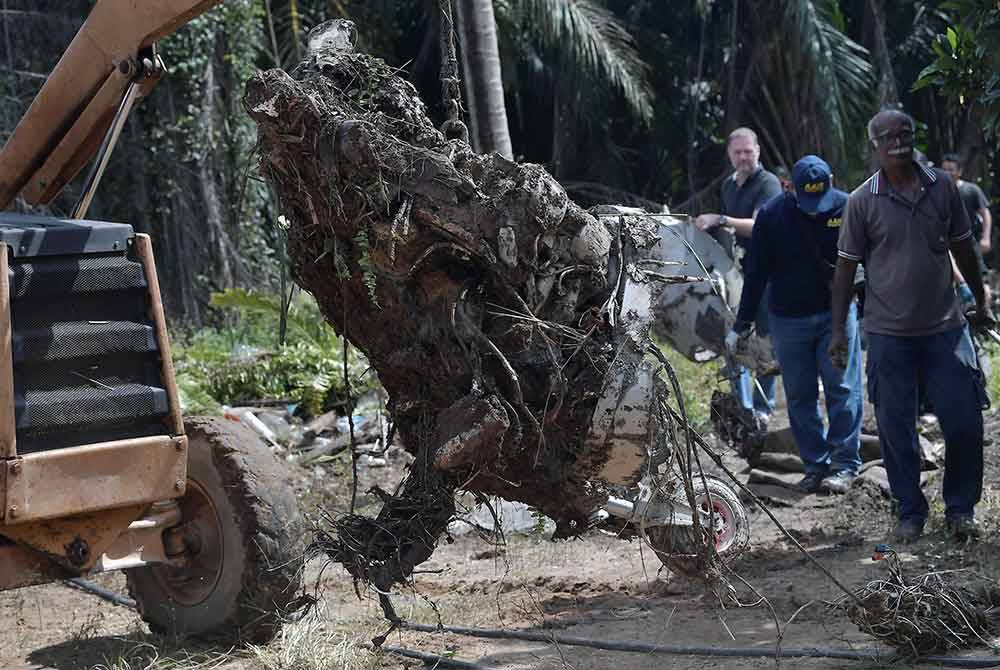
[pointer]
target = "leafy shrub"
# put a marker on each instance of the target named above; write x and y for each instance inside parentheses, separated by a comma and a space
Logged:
(243, 361)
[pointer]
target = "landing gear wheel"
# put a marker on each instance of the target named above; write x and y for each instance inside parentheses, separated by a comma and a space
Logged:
(676, 546)
(242, 535)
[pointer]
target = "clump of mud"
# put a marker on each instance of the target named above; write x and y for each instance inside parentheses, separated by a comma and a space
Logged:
(475, 287)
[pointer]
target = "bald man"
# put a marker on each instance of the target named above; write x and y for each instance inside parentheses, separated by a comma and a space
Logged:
(901, 223)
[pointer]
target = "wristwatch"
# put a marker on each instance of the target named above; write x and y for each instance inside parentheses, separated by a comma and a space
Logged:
(723, 220)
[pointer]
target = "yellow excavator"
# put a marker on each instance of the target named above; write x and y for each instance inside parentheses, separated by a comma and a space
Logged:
(99, 470)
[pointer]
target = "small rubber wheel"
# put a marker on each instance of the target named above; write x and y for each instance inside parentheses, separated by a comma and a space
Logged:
(675, 545)
(243, 538)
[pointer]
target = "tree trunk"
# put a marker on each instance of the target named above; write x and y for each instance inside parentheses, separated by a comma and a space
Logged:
(471, 101)
(213, 212)
(484, 82)
(887, 92)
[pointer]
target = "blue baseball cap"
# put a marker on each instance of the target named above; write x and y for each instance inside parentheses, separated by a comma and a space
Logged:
(813, 185)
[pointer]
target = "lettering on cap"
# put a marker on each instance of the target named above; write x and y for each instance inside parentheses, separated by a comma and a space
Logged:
(814, 187)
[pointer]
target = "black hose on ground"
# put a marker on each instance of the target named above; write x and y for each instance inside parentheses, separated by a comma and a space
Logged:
(432, 660)
(101, 592)
(688, 650)
(608, 645)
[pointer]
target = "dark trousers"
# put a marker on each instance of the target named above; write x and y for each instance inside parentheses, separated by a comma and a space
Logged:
(954, 384)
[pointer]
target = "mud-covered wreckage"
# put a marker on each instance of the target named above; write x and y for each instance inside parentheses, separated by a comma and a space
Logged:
(510, 327)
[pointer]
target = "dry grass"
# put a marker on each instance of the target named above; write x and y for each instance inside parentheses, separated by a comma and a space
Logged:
(146, 652)
(314, 644)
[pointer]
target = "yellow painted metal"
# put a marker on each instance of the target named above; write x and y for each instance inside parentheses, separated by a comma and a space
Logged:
(69, 482)
(75, 542)
(112, 37)
(144, 251)
(8, 442)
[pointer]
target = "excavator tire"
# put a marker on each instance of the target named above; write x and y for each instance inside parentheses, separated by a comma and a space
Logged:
(243, 535)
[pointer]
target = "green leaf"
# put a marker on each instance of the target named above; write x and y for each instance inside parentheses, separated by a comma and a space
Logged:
(952, 39)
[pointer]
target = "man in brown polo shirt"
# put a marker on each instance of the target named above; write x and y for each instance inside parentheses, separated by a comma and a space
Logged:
(901, 223)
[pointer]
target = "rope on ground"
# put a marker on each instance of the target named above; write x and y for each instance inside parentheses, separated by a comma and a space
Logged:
(100, 592)
(690, 650)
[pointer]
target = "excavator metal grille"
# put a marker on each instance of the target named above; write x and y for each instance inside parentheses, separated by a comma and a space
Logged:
(86, 361)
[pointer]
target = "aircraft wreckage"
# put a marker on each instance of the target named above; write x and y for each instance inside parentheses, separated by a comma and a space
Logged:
(509, 326)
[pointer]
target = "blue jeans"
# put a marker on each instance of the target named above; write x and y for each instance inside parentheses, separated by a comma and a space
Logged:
(801, 346)
(954, 385)
(746, 391)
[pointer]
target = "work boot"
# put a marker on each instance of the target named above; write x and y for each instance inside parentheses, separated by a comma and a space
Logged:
(962, 528)
(839, 482)
(907, 530)
(811, 482)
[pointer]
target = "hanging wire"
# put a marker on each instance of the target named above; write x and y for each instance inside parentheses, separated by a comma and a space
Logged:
(451, 92)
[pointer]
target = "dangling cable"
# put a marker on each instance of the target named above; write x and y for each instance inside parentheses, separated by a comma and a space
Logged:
(451, 92)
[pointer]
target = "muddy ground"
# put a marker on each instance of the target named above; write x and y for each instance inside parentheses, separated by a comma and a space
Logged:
(597, 586)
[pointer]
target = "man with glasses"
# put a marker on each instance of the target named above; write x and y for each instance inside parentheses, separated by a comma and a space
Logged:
(795, 248)
(901, 223)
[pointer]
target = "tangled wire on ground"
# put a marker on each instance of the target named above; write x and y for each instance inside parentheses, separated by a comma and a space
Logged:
(925, 614)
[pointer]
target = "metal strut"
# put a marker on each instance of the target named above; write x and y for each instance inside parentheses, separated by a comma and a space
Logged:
(151, 69)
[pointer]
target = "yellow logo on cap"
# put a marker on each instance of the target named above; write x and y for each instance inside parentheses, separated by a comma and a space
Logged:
(833, 223)
(815, 187)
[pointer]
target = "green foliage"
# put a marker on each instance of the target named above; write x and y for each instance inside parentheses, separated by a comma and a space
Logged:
(579, 41)
(261, 314)
(240, 363)
(841, 68)
(993, 381)
(363, 244)
(966, 65)
(697, 382)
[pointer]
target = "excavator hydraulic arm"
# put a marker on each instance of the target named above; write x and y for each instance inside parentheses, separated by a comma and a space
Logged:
(66, 122)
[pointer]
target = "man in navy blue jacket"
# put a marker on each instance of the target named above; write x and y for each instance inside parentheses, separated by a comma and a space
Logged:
(795, 249)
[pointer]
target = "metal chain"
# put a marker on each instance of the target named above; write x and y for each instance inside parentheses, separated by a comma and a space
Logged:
(451, 91)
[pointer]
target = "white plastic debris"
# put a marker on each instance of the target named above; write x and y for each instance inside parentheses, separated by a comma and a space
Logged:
(246, 416)
(515, 517)
(368, 461)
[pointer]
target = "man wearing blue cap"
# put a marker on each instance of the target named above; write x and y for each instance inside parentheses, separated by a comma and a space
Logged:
(795, 249)
(902, 223)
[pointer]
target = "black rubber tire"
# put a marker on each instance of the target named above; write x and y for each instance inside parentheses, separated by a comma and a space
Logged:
(674, 544)
(262, 535)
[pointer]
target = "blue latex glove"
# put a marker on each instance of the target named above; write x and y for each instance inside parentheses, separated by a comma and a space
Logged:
(965, 295)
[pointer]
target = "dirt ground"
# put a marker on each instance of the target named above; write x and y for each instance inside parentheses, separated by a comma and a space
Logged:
(597, 587)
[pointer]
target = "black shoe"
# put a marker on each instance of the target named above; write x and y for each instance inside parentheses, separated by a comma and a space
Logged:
(962, 528)
(811, 482)
(907, 530)
(839, 482)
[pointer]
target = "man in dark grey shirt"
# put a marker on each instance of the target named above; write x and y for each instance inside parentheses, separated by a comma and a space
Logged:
(743, 193)
(976, 204)
(901, 223)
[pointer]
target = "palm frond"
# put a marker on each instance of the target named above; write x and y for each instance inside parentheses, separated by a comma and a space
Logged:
(591, 43)
(844, 77)
(292, 20)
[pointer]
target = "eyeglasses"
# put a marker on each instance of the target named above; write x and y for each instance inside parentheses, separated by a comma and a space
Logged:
(903, 137)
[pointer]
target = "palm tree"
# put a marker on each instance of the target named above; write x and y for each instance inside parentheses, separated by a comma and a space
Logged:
(484, 96)
(576, 58)
(806, 85)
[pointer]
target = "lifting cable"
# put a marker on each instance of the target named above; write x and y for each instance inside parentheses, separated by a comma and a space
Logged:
(451, 91)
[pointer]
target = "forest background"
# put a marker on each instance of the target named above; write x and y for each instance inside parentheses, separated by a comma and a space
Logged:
(624, 101)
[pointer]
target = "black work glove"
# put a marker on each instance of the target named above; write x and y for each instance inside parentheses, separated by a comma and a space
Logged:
(980, 318)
